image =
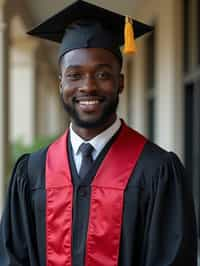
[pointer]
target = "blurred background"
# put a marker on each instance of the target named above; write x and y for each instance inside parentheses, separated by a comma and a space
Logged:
(162, 96)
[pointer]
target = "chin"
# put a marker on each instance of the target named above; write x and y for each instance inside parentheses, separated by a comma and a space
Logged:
(90, 123)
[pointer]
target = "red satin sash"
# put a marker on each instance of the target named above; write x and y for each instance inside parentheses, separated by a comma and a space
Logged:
(106, 209)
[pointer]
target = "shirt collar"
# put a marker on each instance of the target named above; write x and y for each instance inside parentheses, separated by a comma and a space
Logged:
(97, 142)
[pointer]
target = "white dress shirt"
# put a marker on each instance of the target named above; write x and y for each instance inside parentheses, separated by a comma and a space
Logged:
(97, 142)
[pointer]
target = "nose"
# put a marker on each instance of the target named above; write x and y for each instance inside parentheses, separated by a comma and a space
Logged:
(89, 84)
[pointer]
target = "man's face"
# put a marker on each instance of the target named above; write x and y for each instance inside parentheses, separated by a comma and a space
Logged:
(90, 86)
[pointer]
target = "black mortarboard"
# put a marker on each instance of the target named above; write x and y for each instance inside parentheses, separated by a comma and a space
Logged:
(84, 25)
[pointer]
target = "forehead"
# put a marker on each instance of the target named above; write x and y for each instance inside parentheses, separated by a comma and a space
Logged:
(89, 57)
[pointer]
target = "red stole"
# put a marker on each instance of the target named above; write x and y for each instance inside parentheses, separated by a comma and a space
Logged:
(107, 195)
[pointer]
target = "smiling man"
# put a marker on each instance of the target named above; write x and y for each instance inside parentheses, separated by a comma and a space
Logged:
(102, 194)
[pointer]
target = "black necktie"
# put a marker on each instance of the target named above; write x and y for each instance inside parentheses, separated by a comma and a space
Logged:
(86, 150)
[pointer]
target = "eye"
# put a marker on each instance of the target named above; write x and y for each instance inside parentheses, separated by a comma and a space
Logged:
(103, 75)
(73, 76)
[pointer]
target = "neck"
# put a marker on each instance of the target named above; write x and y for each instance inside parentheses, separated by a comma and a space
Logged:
(89, 133)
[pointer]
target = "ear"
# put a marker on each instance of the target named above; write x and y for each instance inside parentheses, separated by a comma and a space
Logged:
(60, 88)
(60, 84)
(121, 83)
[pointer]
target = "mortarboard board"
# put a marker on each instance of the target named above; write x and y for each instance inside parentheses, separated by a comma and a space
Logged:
(84, 25)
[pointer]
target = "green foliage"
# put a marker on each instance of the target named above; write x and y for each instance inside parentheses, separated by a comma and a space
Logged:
(18, 148)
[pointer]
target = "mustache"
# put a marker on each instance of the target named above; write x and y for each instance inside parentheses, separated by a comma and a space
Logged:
(88, 97)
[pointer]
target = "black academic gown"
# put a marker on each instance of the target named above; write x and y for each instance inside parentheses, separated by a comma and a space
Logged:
(158, 226)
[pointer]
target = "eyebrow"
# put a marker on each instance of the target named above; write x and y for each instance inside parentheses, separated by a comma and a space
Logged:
(80, 66)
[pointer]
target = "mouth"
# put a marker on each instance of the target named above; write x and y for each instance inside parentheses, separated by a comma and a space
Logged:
(89, 104)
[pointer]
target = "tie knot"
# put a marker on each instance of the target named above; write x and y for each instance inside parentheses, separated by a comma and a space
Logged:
(86, 149)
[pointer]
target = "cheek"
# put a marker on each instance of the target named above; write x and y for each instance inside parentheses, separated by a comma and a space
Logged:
(70, 86)
(67, 93)
(65, 84)
(68, 89)
(108, 86)
(111, 88)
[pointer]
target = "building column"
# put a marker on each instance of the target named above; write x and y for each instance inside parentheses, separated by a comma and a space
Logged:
(166, 66)
(3, 102)
(49, 103)
(23, 90)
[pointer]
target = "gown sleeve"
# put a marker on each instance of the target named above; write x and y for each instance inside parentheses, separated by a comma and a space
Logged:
(16, 238)
(171, 228)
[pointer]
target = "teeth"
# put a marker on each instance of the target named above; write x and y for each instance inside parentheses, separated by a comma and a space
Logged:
(89, 102)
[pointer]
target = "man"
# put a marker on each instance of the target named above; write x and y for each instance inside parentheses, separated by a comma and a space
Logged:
(102, 194)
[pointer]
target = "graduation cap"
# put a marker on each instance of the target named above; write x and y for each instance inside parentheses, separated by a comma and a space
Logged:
(84, 25)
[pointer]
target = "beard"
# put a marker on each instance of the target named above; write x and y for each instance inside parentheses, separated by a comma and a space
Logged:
(109, 109)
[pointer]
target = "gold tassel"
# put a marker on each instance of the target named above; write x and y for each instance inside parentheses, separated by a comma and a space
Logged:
(129, 45)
